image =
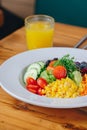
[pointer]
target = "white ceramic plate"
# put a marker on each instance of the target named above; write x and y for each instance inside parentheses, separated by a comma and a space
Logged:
(11, 76)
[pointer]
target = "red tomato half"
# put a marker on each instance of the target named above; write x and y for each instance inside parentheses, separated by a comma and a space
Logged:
(41, 82)
(40, 91)
(32, 90)
(34, 87)
(32, 81)
(60, 72)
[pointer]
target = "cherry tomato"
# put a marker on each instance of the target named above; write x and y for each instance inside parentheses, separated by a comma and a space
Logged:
(32, 90)
(40, 91)
(41, 82)
(32, 81)
(31, 86)
(60, 72)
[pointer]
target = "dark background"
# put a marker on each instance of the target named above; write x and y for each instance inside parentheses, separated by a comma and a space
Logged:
(11, 23)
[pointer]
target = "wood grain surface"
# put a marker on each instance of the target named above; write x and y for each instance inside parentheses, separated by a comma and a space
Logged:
(17, 115)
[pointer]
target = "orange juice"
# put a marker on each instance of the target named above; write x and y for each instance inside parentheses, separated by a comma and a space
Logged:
(39, 34)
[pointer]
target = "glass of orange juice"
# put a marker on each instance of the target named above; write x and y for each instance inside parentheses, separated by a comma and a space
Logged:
(39, 31)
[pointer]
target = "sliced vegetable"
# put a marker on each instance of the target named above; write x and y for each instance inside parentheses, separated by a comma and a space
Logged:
(44, 75)
(34, 70)
(68, 63)
(34, 66)
(31, 86)
(30, 80)
(77, 77)
(41, 82)
(40, 92)
(60, 72)
(50, 68)
(41, 63)
(48, 76)
(31, 73)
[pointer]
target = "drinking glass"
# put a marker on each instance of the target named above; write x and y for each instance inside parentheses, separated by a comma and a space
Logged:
(39, 31)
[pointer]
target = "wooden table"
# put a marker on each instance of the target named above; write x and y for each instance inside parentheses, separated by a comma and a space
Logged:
(17, 115)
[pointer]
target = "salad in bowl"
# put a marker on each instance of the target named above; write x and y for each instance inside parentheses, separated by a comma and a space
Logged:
(57, 77)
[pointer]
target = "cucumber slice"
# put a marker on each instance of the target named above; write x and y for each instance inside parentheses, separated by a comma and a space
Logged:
(41, 63)
(34, 70)
(77, 77)
(34, 66)
(31, 73)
